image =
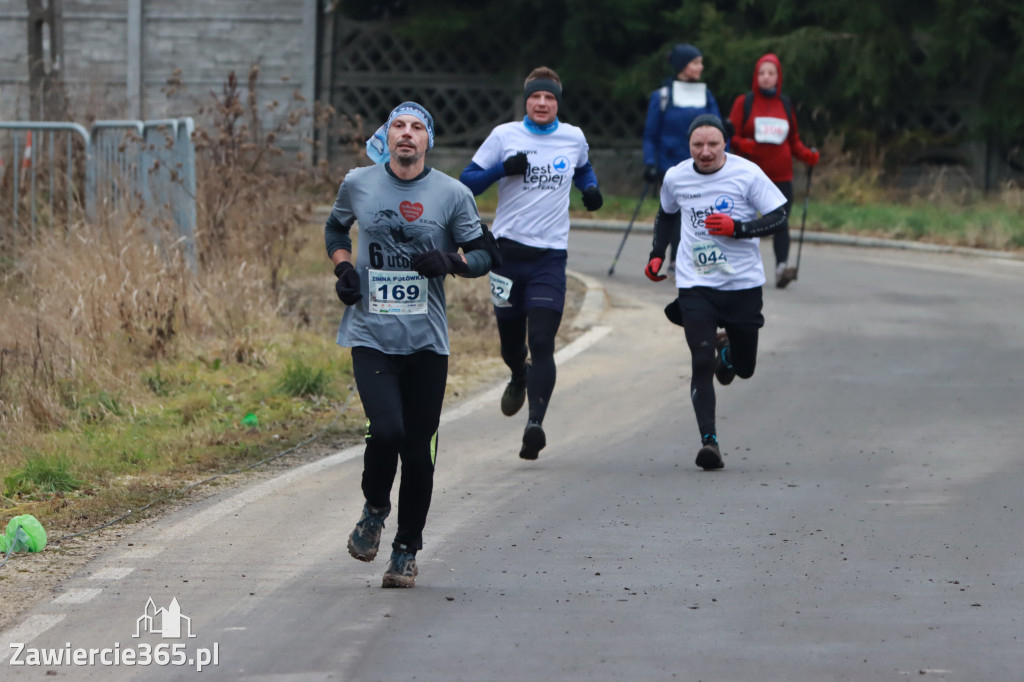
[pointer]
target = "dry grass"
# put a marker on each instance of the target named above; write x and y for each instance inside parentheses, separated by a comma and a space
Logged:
(137, 369)
(140, 372)
(126, 375)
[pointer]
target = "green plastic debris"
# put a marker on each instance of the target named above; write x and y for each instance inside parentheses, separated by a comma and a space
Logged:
(250, 420)
(24, 534)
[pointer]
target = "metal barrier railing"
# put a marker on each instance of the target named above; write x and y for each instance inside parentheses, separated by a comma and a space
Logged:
(19, 181)
(149, 164)
(60, 172)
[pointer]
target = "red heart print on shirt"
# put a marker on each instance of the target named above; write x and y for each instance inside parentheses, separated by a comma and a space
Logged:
(410, 211)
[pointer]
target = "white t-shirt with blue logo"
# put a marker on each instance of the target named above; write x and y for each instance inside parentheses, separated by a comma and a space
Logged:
(533, 209)
(739, 189)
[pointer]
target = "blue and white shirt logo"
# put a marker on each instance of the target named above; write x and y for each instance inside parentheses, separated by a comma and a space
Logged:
(724, 204)
(561, 164)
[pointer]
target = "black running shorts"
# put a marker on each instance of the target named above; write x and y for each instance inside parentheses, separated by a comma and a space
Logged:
(740, 308)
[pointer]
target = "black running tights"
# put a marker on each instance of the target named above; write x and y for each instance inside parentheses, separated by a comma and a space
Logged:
(700, 337)
(402, 397)
(537, 329)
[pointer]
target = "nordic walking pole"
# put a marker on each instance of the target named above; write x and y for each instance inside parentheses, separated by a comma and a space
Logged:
(803, 222)
(643, 195)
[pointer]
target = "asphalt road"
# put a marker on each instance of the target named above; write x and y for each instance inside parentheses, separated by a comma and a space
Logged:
(867, 525)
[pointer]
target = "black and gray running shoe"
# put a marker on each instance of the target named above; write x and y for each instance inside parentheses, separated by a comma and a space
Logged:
(401, 570)
(515, 394)
(365, 537)
(534, 440)
(709, 457)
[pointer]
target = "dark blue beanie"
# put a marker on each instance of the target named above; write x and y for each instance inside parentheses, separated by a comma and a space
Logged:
(681, 55)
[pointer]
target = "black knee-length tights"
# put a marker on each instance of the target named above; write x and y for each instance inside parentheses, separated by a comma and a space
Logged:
(700, 337)
(534, 332)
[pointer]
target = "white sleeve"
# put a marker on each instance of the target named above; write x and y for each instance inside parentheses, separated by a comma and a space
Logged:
(668, 198)
(764, 195)
(491, 152)
(584, 155)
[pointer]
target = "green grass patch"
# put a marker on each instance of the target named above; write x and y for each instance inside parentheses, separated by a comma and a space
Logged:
(301, 380)
(185, 416)
(979, 225)
(42, 474)
(98, 407)
(156, 382)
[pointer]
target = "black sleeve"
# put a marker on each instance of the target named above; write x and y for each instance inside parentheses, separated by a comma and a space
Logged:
(477, 258)
(482, 253)
(339, 223)
(768, 224)
(664, 225)
(336, 235)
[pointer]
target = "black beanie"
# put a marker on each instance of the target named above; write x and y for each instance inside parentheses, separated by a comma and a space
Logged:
(706, 120)
(681, 55)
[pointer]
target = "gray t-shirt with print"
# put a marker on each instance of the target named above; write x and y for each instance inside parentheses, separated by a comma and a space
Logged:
(400, 312)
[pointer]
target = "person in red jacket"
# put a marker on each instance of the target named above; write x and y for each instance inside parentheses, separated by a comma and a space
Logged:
(766, 133)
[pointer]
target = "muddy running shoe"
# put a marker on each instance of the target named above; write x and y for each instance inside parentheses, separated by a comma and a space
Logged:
(365, 538)
(784, 275)
(515, 394)
(534, 440)
(723, 368)
(709, 457)
(401, 570)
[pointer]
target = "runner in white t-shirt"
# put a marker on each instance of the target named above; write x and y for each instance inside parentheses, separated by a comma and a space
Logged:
(723, 204)
(533, 162)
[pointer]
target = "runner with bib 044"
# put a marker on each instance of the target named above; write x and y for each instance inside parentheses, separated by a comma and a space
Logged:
(716, 199)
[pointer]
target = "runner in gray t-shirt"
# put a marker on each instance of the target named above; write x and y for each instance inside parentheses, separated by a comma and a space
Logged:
(412, 221)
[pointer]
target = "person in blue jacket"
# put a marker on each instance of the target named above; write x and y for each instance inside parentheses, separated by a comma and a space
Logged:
(672, 109)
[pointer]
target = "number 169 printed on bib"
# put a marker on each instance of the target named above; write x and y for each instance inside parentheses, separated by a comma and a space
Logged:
(397, 292)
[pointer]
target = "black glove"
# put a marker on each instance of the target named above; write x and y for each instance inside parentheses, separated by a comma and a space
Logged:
(516, 165)
(650, 173)
(347, 285)
(592, 199)
(437, 263)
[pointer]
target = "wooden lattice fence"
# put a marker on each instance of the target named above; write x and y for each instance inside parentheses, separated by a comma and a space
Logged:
(373, 68)
(366, 68)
